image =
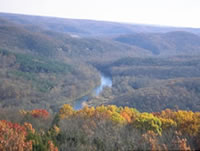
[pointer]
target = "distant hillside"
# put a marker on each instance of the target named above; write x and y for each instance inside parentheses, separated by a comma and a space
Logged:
(173, 94)
(153, 84)
(48, 61)
(52, 44)
(88, 27)
(18, 37)
(57, 36)
(177, 42)
(39, 67)
(32, 81)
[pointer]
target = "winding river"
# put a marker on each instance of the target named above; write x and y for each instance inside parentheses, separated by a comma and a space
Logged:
(105, 82)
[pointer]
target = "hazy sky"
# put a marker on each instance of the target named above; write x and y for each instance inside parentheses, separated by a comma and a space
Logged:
(162, 12)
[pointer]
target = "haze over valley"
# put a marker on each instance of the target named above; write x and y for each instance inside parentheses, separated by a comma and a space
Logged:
(61, 59)
(121, 69)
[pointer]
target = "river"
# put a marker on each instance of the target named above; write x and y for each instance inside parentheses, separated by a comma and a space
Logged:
(105, 82)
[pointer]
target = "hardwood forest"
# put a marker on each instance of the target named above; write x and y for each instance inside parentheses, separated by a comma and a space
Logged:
(49, 65)
(101, 128)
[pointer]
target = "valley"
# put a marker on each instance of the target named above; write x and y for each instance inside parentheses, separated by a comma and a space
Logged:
(74, 84)
(47, 62)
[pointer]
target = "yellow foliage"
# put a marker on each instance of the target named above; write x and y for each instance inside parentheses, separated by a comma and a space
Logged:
(116, 117)
(86, 112)
(56, 129)
(129, 114)
(148, 122)
(167, 123)
(66, 111)
(188, 122)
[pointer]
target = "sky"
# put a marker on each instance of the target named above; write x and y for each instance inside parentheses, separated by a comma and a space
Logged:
(180, 13)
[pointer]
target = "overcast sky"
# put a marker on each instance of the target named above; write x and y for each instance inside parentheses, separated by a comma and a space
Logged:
(162, 12)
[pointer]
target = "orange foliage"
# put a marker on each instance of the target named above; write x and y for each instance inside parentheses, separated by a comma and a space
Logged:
(151, 127)
(180, 144)
(29, 127)
(150, 140)
(126, 116)
(36, 113)
(51, 146)
(129, 114)
(40, 113)
(13, 137)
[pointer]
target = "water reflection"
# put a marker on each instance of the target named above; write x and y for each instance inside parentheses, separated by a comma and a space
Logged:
(105, 82)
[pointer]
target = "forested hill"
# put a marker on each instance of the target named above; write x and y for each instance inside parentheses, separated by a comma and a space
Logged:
(48, 61)
(178, 42)
(45, 68)
(17, 37)
(87, 27)
(48, 65)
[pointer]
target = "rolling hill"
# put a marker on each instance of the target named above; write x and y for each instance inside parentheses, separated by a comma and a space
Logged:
(47, 61)
(177, 42)
(53, 44)
(153, 84)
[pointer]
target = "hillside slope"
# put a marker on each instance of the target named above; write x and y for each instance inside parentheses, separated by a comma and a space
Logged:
(30, 81)
(53, 44)
(177, 42)
(153, 84)
(48, 61)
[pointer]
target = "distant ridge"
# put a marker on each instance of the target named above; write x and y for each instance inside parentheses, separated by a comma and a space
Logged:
(89, 27)
(164, 43)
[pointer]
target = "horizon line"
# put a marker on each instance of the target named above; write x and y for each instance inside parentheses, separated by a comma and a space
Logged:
(99, 20)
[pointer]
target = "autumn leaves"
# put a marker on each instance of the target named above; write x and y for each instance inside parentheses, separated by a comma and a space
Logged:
(102, 128)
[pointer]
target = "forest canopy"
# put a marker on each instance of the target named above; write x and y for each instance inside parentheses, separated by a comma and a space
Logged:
(101, 128)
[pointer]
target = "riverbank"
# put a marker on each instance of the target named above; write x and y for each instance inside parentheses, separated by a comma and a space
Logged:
(105, 82)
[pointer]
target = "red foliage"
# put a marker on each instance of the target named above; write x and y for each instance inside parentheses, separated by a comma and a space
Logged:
(36, 113)
(40, 113)
(13, 137)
